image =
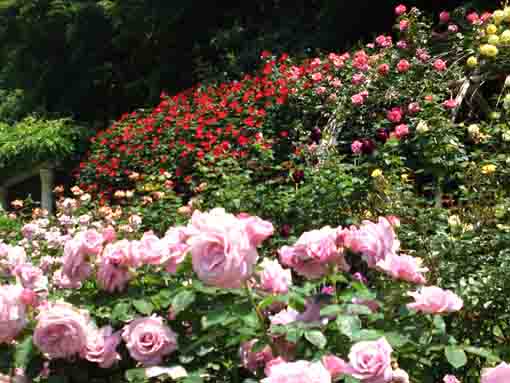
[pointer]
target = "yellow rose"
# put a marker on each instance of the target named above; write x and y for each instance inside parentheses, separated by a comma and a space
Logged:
(498, 16)
(492, 29)
(472, 62)
(489, 50)
(488, 169)
(504, 38)
(493, 40)
(506, 14)
(377, 173)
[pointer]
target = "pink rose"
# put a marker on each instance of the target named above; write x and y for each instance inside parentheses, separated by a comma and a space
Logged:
(450, 379)
(499, 374)
(444, 17)
(120, 253)
(403, 267)
(274, 278)
(285, 317)
(357, 99)
(394, 115)
(258, 230)
(12, 312)
(356, 147)
(452, 28)
(253, 360)
(109, 234)
(175, 240)
(400, 9)
(399, 376)
(440, 65)
(402, 44)
(375, 241)
(403, 66)
(91, 242)
(101, 347)
(336, 366)
(111, 275)
(358, 78)
(370, 361)
(222, 251)
(149, 340)
(74, 264)
(60, 280)
(317, 76)
(434, 300)
(450, 104)
(473, 17)
(297, 372)
(29, 231)
(383, 41)
(383, 69)
(403, 25)
(31, 277)
(61, 330)
(401, 131)
(414, 108)
(314, 253)
(150, 250)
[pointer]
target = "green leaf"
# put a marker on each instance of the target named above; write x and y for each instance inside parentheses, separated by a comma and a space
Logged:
(23, 352)
(483, 352)
(121, 312)
(348, 325)
(366, 335)
(331, 310)
(439, 324)
(136, 375)
(214, 318)
(358, 309)
(395, 339)
(143, 306)
(316, 338)
(182, 301)
(268, 301)
(455, 356)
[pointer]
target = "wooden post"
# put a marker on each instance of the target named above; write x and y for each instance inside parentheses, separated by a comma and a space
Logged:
(47, 179)
(3, 198)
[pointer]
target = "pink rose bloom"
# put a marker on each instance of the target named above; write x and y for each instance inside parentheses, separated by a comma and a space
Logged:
(403, 267)
(356, 147)
(358, 78)
(499, 374)
(450, 379)
(16, 255)
(274, 278)
(370, 361)
(285, 317)
(383, 41)
(403, 66)
(297, 372)
(485, 16)
(111, 275)
(414, 107)
(403, 25)
(400, 9)
(101, 347)
(91, 242)
(383, 69)
(452, 28)
(401, 131)
(357, 99)
(422, 54)
(394, 115)
(254, 360)
(149, 340)
(222, 251)
(258, 230)
(473, 17)
(444, 17)
(450, 104)
(150, 250)
(175, 240)
(375, 241)
(399, 376)
(74, 264)
(120, 253)
(434, 300)
(336, 83)
(29, 230)
(314, 253)
(31, 277)
(317, 76)
(336, 366)
(402, 44)
(60, 280)
(13, 316)
(109, 234)
(440, 65)
(61, 330)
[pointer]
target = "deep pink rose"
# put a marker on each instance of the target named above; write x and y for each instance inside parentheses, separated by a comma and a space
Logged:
(314, 253)
(375, 241)
(440, 65)
(434, 300)
(403, 66)
(356, 147)
(450, 103)
(473, 17)
(61, 330)
(357, 99)
(297, 372)
(370, 361)
(383, 69)
(400, 9)
(403, 25)
(444, 17)
(336, 366)
(403, 267)
(149, 340)
(12, 312)
(101, 347)
(401, 131)
(499, 374)
(274, 278)
(254, 360)
(395, 114)
(413, 108)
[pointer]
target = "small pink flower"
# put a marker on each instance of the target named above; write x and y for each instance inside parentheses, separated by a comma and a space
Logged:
(440, 65)
(453, 28)
(403, 66)
(414, 107)
(357, 99)
(444, 17)
(403, 267)
(400, 9)
(402, 44)
(498, 374)
(320, 90)
(370, 361)
(485, 16)
(434, 300)
(176, 241)
(450, 104)
(394, 115)
(401, 131)
(450, 379)
(358, 78)
(473, 17)
(317, 76)
(274, 278)
(422, 55)
(336, 82)
(383, 69)
(383, 41)
(403, 25)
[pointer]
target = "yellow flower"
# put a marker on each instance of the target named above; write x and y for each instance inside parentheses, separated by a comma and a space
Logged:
(492, 29)
(504, 38)
(506, 14)
(404, 177)
(488, 169)
(472, 62)
(489, 50)
(498, 16)
(493, 40)
(377, 173)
